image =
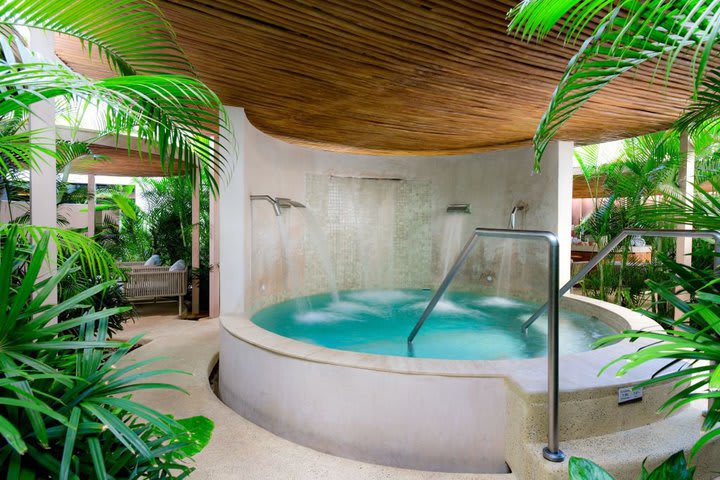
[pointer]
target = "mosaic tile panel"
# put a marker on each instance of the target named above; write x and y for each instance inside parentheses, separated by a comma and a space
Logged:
(377, 232)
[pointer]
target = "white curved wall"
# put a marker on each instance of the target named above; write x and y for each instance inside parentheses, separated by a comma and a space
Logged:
(491, 182)
(426, 422)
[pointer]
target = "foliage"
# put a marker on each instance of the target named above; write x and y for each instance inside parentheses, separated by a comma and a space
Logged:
(690, 343)
(110, 297)
(127, 237)
(91, 256)
(154, 97)
(674, 468)
(628, 34)
(65, 404)
(169, 218)
(166, 229)
(645, 166)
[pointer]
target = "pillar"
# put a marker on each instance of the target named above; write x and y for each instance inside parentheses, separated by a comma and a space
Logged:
(195, 243)
(686, 178)
(43, 191)
(214, 256)
(233, 208)
(91, 201)
(558, 164)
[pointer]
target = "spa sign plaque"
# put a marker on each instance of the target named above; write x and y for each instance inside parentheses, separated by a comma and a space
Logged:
(629, 395)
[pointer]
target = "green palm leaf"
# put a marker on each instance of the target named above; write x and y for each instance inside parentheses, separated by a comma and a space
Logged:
(175, 116)
(131, 35)
(629, 33)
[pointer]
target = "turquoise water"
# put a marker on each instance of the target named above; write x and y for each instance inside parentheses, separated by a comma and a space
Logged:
(463, 326)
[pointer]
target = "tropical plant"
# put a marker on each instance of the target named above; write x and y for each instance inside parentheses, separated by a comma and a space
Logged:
(627, 34)
(169, 203)
(691, 343)
(111, 296)
(675, 468)
(125, 236)
(65, 404)
(154, 97)
(623, 187)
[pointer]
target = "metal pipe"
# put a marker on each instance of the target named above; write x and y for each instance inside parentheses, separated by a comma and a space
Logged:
(613, 244)
(552, 451)
(278, 203)
(459, 262)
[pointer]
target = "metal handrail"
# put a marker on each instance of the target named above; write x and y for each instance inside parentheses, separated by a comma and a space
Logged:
(613, 244)
(552, 451)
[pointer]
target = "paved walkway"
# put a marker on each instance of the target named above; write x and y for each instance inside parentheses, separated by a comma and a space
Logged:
(239, 449)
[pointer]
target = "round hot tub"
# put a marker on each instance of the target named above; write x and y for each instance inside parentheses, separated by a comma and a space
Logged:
(463, 326)
(336, 374)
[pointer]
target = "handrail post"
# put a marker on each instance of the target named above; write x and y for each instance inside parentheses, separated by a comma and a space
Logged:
(552, 451)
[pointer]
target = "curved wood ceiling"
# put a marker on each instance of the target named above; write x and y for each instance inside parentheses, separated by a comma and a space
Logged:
(397, 77)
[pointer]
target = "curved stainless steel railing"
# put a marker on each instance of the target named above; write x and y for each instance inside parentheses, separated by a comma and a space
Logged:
(613, 244)
(552, 451)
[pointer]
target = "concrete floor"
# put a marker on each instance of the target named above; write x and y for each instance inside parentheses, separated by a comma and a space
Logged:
(239, 449)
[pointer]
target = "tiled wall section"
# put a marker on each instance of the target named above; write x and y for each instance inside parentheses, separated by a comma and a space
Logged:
(377, 232)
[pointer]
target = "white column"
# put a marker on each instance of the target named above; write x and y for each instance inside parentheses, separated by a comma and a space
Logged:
(233, 208)
(195, 218)
(91, 202)
(214, 257)
(686, 178)
(43, 202)
(558, 163)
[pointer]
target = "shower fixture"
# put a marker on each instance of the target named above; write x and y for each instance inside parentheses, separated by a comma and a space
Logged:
(458, 208)
(278, 203)
(287, 203)
(518, 207)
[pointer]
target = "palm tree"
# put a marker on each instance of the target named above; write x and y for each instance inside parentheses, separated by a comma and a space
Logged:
(154, 96)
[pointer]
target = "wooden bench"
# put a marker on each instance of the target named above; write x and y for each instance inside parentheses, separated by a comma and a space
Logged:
(151, 283)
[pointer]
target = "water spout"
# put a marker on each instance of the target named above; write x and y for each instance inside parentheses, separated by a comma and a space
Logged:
(275, 204)
(278, 203)
(518, 207)
(458, 208)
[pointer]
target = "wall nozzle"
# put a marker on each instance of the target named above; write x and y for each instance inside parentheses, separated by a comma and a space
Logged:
(278, 203)
(458, 208)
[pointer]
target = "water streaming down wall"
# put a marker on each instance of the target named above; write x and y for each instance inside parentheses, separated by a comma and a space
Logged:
(365, 233)
(318, 245)
(378, 231)
(455, 235)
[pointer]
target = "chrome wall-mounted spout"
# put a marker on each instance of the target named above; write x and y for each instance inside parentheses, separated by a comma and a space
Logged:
(275, 204)
(278, 203)
(458, 208)
(519, 207)
(288, 202)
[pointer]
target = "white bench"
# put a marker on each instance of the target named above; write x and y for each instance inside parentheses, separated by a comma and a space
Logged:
(146, 283)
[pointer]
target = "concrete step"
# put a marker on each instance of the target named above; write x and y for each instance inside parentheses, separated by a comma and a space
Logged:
(622, 453)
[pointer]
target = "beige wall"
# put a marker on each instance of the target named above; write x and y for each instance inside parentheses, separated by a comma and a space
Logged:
(491, 182)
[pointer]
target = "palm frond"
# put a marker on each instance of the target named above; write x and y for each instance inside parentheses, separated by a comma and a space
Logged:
(629, 34)
(93, 256)
(131, 35)
(175, 117)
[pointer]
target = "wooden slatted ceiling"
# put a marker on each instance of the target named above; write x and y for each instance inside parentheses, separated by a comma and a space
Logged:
(118, 162)
(397, 77)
